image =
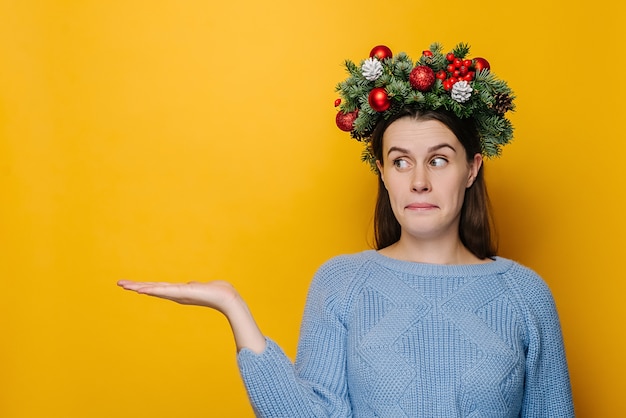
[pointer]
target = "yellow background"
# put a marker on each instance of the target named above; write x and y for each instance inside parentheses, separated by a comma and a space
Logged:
(195, 140)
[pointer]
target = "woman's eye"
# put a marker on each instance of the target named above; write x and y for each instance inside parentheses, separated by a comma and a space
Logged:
(438, 162)
(400, 163)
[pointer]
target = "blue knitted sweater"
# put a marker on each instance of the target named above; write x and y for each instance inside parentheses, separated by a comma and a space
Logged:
(387, 338)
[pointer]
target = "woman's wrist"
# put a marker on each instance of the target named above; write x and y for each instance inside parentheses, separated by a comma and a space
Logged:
(245, 330)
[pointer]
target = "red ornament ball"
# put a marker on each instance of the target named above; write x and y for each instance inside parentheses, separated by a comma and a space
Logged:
(422, 78)
(337, 102)
(379, 99)
(381, 52)
(345, 121)
(481, 64)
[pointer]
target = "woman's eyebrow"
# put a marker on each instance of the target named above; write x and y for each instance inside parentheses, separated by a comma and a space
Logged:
(400, 150)
(431, 149)
(439, 146)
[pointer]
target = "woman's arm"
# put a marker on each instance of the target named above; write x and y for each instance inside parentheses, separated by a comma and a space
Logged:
(547, 389)
(218, 295)
(317, 385)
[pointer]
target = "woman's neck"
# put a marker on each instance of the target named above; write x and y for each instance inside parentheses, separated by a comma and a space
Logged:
(431, 252)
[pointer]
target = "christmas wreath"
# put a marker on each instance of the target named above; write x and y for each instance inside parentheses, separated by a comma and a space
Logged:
(384, 84)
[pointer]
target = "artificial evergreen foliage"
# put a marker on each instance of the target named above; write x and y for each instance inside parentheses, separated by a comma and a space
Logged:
(490, 97)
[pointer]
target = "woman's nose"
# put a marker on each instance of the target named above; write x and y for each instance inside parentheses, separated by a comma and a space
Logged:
(420, 182)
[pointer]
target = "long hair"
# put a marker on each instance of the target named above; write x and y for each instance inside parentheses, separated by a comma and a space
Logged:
(476, 223)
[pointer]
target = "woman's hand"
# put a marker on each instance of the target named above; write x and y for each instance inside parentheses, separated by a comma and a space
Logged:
(218, 295)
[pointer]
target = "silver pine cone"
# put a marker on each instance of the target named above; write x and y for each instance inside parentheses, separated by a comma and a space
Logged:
(461, 91)
(371, 69)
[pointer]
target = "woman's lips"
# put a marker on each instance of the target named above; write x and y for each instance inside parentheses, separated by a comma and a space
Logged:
(420, 206)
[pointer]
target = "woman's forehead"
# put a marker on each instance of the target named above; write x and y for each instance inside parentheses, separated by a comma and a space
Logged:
(412, 132)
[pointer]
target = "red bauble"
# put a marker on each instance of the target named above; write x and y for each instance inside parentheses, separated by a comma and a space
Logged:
(379, 99)
(422, 78)
(337, 102)
(381, 52)
(481, 64)
(345, 121)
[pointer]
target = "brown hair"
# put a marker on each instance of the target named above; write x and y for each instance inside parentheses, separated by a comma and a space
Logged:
(476, 224)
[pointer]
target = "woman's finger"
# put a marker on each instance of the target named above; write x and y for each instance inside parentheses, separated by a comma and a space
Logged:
(133, 285)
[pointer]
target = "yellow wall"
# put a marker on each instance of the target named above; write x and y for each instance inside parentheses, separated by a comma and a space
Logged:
(191, 140)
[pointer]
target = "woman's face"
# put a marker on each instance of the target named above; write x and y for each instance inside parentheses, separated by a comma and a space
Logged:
(425, 170)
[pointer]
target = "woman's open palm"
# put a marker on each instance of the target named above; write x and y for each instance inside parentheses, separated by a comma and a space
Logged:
(215, 294)
(219, 295)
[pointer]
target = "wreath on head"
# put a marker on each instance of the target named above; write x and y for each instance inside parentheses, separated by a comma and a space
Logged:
(384, 84)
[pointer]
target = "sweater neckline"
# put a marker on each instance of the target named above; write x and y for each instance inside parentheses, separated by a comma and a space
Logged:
(498, 265)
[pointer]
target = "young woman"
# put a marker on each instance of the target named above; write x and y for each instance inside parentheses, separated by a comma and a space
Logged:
(431, 323)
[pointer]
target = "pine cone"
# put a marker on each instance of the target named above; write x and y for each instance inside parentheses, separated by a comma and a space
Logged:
(502, 103)
(371, 69)
(361, 137)
(461, 91)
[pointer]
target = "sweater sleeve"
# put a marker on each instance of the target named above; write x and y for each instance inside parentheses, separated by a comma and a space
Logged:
(547, 390)
(315, 386)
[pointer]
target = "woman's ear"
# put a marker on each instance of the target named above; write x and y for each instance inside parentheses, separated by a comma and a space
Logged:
(474, 167)
(380, 170)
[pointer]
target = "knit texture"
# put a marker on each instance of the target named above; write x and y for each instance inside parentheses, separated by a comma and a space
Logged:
(387, 338)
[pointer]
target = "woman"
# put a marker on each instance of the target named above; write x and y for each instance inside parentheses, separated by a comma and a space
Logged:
(431, 323)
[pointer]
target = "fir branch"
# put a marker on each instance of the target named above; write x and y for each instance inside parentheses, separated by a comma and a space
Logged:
(438, 62)
(383, 80)
(368, 157)
(461, 50)
(489, 147)
(402, 69)
(436, 48)
(398, 88)
(485, 76)
(403, 57)
(415, 97)
(352, 68)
